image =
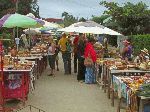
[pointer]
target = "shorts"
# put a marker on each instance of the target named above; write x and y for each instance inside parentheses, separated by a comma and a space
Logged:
(51, 59)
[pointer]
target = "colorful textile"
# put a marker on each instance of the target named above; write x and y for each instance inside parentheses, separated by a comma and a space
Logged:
(90, 75)
(89, 51)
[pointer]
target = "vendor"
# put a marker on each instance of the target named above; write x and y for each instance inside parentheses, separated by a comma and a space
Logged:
(13, 51)
(143, 56)
(127, 51)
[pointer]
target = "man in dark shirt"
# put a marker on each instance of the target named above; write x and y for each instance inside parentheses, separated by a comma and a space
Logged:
(80, 55)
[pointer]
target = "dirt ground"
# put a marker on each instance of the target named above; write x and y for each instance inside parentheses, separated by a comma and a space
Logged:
(64, 93)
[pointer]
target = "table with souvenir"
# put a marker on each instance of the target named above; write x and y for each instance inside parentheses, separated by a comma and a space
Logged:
(126, 79)
(38, 54)
(16, 78)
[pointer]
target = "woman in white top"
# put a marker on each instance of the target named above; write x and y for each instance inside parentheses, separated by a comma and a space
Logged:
(51, 57)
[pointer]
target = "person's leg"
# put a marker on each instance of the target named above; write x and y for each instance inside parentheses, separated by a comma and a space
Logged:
(75, 63)
(69, 63)
(53, 64)
(83, 69)
(50, 64)
(57, 58)
(65, 60)
(79, 70)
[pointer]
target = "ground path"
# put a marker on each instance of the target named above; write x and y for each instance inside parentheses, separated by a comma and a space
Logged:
(64, 93)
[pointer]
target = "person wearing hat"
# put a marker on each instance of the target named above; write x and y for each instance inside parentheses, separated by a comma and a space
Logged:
(143, 56)
(127, 51)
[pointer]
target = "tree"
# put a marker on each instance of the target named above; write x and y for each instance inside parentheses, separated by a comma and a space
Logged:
(100, 19)
(82, 19)
(68, 19)
(24, 7)
(130, 18)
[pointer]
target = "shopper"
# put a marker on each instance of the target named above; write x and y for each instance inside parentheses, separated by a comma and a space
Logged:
(69, 50)
(56, 54)
(51, 56)
(75, 44)
(90, 53)
(80, 54)
(63, 43)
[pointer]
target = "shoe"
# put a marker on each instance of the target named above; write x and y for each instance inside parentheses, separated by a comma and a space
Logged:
(57, 69)
(50, 75)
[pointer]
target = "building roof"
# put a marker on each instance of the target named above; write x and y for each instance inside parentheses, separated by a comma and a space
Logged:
(53, 19)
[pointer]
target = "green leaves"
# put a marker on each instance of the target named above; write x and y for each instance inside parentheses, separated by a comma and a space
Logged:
(140, 42)
(131, 18)
(25, 7)
(68, 19)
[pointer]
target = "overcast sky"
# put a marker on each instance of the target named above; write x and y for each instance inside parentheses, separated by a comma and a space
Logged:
(78, 8)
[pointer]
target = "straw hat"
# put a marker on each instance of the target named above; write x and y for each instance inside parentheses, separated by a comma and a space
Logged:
(126, 41)
(145, 51)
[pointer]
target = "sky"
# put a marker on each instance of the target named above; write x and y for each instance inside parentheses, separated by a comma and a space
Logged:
(78, 8)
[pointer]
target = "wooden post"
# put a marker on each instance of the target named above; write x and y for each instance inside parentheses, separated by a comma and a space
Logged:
(1, 78)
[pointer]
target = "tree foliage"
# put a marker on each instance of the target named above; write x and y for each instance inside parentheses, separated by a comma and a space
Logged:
(100, 19)
(130, 18)
(24, 7)
(140, 42)
(82, 19)
(68, 19)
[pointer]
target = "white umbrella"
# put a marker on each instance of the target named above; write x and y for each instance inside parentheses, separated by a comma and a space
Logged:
(110, 32)
(89, 27)
(51, 25)
(82, 29)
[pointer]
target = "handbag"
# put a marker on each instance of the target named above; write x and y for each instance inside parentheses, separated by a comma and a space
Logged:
(88, 62)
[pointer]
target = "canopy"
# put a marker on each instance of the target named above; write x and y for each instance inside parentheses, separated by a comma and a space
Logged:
(89, 27)
(18, 20)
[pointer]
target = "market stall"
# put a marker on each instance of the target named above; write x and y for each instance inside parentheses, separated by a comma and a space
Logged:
(16, 79)
(125, 79)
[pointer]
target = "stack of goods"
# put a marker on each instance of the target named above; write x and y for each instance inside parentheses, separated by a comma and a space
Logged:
(113, 52)
(98, 46)
(38, 49)
(144, 66)
(12, 64)
(134, 82)
(100, 61)
(99, 49)
(24, 54)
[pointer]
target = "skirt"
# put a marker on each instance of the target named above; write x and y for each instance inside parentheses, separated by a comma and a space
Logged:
(90, 77)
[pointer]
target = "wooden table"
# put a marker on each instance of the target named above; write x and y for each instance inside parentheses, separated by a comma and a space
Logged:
(110, 83)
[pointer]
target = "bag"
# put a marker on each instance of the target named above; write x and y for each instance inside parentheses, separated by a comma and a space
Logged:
(68, 47)
(88, 62)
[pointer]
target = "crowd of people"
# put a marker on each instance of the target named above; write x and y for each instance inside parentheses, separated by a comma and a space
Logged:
(80, 48)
